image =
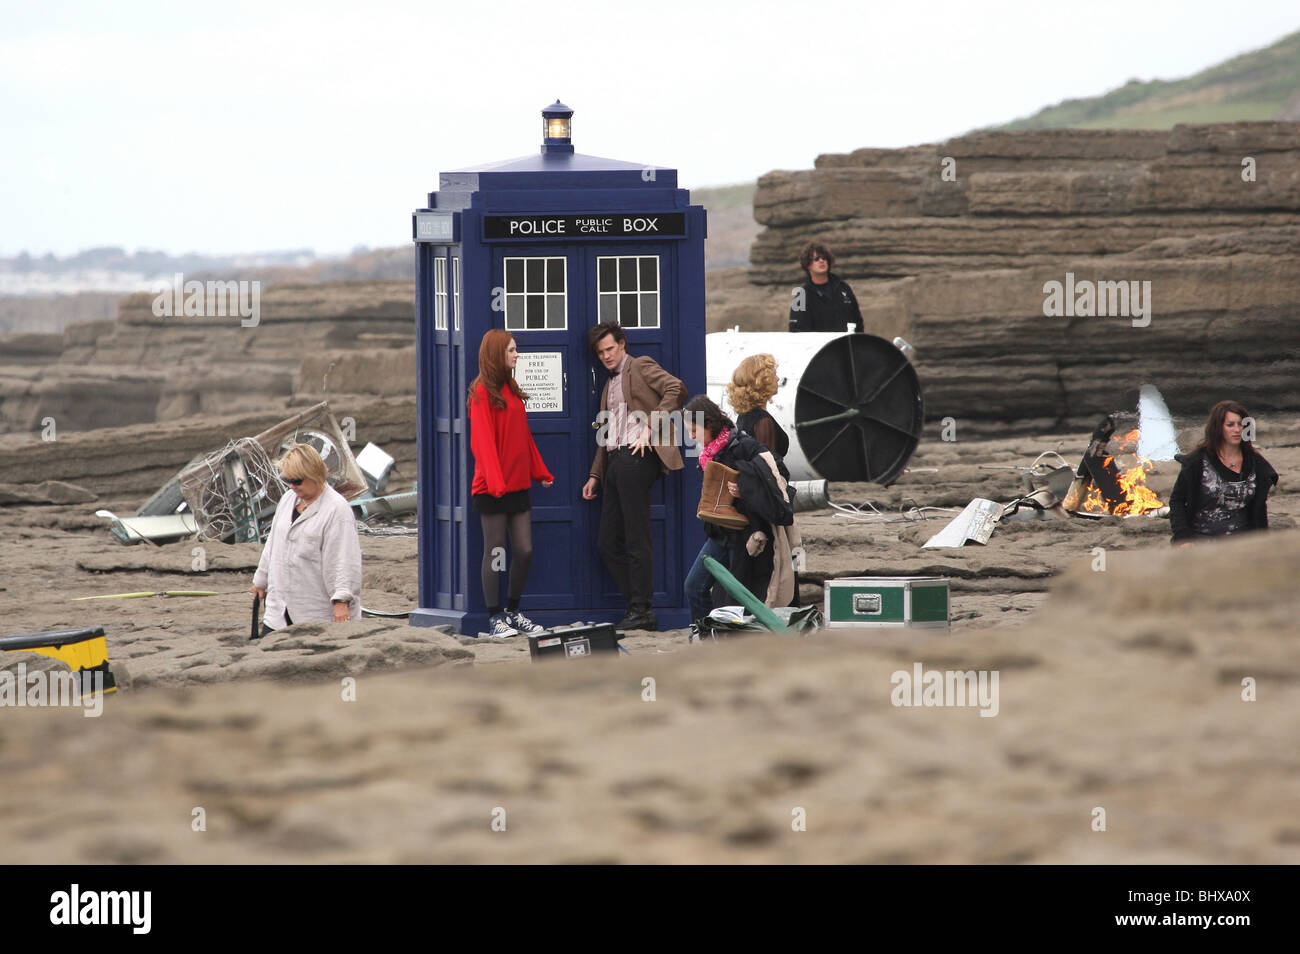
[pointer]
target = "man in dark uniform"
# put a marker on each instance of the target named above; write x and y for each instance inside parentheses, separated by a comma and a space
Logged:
(633, 450)
(823, 302)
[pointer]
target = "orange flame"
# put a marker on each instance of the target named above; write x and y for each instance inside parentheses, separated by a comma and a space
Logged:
(1139, 498)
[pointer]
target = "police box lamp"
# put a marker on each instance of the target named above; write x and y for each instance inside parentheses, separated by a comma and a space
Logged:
(557, 128)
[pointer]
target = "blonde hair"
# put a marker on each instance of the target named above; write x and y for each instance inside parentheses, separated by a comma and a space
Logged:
(302, 461)
(752, 383)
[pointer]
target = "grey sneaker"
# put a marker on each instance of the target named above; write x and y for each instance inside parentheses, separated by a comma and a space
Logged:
(523, 624)
(499, 627)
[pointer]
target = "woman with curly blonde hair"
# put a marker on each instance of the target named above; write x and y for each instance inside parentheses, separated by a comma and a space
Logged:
(753, 384)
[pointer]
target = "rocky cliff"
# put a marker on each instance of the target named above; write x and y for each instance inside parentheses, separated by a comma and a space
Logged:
(142, 368)
(952, 245)
(119, 406)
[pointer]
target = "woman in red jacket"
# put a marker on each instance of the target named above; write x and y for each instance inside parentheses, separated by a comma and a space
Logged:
(506, 462)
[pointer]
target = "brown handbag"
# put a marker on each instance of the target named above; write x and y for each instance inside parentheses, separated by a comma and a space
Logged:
(716, 501)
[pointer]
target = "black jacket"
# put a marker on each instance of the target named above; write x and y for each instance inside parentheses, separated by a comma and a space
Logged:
(760, 498)
(828, 307)
(749, 423)
(1185, 499)
(761, 501)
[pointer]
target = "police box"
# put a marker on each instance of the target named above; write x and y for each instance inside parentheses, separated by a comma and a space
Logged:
(547, 246)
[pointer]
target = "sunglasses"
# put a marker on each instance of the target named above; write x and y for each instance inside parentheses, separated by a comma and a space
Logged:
(819, 258)
(293, 481)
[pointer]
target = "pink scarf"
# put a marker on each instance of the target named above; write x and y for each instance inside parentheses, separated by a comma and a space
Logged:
(714, 446)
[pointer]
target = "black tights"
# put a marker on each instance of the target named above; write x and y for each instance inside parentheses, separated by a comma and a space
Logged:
(494, 555)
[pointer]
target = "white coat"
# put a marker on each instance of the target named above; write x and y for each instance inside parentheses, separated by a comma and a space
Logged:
(310, 562)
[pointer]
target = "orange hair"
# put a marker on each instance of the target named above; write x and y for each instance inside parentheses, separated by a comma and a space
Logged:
(492, 371)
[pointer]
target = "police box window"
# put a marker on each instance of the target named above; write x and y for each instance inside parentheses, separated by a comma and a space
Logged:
(627, 287)
(455, 285)
(536, 294)
(440, 293)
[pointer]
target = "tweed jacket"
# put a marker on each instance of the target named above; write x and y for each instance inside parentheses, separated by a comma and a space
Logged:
(649, 389)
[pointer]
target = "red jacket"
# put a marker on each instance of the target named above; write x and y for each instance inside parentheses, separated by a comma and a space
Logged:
(506, 457)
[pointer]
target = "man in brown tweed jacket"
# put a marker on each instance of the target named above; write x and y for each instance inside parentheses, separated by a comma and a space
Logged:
(633, 449)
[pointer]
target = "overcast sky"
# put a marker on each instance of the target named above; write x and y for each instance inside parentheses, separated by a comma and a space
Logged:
(238, 127)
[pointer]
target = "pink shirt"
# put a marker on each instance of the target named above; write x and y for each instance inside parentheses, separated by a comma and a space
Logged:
(623, 429)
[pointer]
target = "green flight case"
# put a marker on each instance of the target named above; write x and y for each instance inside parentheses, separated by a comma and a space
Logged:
(911, 602)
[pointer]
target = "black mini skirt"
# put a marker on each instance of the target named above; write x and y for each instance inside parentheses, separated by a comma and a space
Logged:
(514, 502)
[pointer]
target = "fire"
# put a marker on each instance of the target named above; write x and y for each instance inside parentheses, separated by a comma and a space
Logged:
(1132, 471)
(1141, 498)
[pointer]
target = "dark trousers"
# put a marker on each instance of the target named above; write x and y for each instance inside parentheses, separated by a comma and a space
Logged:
(288, 621)
(624, 537)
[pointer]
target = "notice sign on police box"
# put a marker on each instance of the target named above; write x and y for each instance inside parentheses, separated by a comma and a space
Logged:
(541, 375)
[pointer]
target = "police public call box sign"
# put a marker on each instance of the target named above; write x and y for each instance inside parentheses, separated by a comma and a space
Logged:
(600, 225)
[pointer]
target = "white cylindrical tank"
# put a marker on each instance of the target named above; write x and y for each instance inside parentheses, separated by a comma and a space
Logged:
(851, 403)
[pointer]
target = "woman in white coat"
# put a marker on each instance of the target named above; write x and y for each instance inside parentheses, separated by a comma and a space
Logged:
(310, 569)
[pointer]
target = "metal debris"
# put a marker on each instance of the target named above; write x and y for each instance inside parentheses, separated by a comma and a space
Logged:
(233, 491)
(376, 466)
(975, 523)
(157, 530)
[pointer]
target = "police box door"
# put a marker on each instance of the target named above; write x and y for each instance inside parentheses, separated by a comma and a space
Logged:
(549, 296)
(630, 282)
(535, 300)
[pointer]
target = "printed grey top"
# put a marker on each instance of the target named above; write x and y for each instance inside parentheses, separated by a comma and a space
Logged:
(1223, 502)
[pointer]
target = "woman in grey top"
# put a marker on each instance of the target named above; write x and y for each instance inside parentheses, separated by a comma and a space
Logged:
(1223, 486)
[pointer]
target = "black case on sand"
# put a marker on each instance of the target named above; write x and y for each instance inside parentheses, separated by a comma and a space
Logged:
(571, 642)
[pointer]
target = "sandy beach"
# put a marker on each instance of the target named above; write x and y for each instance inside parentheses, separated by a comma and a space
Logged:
(1119, 690)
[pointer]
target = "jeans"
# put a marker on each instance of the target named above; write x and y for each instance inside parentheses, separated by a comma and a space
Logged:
(699, 581)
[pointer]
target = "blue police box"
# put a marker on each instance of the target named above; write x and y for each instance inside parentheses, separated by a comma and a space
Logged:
(547, 246)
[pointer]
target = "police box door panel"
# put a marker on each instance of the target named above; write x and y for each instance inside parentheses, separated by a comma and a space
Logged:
(632, 283)
(534, 299)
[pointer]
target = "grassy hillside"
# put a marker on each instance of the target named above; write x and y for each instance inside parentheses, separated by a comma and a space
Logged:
(1263, 84)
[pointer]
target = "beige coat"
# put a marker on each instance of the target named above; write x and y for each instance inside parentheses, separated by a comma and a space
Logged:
(780, 589)
(649, 389)
(310, 562)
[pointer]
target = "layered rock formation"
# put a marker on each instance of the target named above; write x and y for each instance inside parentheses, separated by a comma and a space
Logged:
(129, 402)
(951, 245)
(143, 368)
(122, 466)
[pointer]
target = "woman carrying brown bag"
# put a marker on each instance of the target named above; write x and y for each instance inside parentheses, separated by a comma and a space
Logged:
(740, 515)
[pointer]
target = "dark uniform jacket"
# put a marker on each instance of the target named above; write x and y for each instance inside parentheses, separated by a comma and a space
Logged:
(828, 307)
